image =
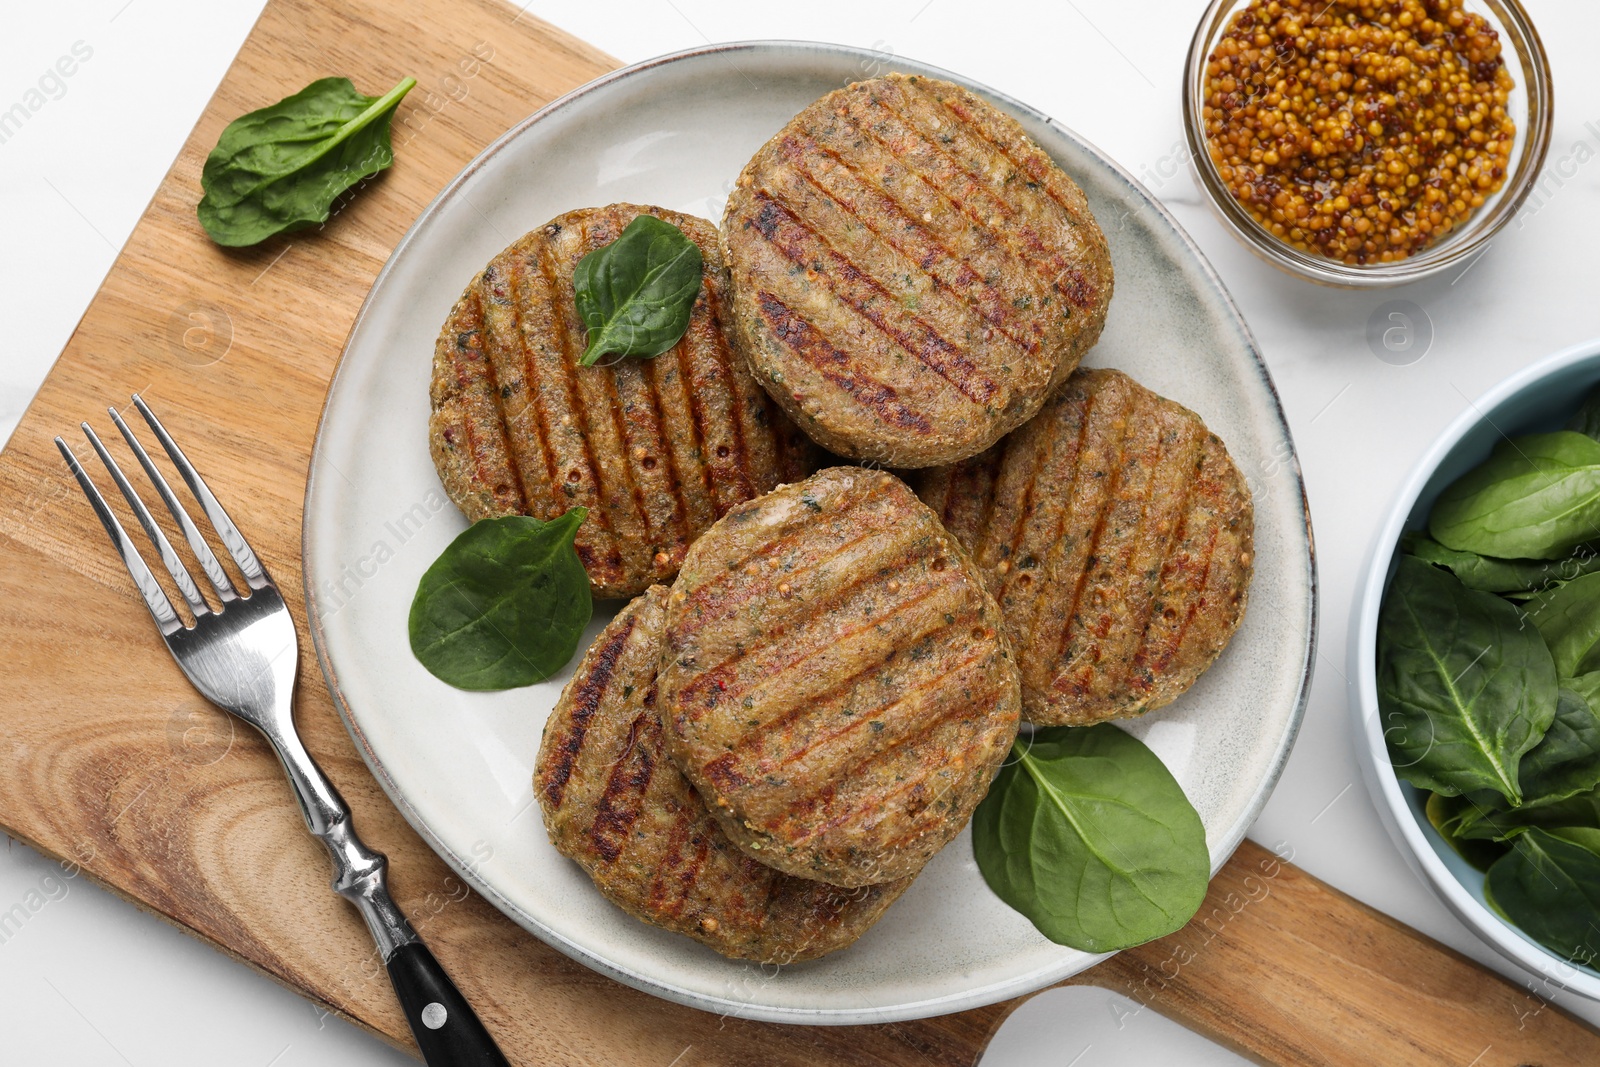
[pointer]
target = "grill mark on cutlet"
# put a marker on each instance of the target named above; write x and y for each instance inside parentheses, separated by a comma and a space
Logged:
(1036, 462)
(611, 390)
(906, 698)
(474, 373)
(966, 500)
(690, 877)
(671, 857)
(706, 607)
(983, 476)
(492, 408)
(697, 509)
(1037, 630)
(717, 677)
(1150, 579)
(987, 304)
(542, 439)
(853, 288)
(500, 306)
(622, 800)
(836, 367)
(1113, 486)
(1112, 633)
(878, 802)
(807, 651)
(859, 495)
(1078, 288)
(1199, 599)
(736, 408)
(596, 403)
(585, 701)
(678, 526)
(605, 556)
(669, 456)
(1034, 252)
(630, 473)
(886, 560)
(1194, 592)
(1029, 162)
(697, 429)
(1149, 655)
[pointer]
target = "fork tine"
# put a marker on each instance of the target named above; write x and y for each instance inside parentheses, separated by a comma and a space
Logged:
(202, 551)
(254, 573)
(155, 598)
(175, 566)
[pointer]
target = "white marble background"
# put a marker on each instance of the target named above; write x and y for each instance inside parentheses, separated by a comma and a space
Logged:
(88, 980)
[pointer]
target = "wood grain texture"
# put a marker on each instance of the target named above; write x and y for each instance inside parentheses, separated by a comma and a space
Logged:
(113, 763)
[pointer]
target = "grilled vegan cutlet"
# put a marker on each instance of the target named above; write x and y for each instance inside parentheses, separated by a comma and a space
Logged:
(912, 275)
(656, 449)
(834, 679)
(615, 803)
(1116, 533)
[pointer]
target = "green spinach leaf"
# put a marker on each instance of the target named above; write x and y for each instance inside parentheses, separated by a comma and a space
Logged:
(1566, 761)
(1501, 575)
(1536, 497)
(1495, 821)
(1586, 420)
(1465, 687)
(504, 605)
(282, 167)
(1568, 618)
(636, 294)
(1549, 887)
(1586, 686)
(1086, 833)
(1564, 764)
(1448, 815)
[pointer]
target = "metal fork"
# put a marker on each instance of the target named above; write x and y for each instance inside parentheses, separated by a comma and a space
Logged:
(243, 657)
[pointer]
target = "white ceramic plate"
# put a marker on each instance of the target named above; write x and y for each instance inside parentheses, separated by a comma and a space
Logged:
(675, 132)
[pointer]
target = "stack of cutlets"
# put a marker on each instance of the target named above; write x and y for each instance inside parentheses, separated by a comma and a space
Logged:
(763, 755)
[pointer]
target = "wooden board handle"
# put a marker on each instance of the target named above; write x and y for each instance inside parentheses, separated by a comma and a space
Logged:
(1290, 972)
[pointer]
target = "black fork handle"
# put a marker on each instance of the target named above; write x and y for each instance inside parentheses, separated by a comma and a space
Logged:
(447, 1031)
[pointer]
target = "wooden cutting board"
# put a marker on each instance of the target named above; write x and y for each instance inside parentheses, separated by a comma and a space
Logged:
(112, 762)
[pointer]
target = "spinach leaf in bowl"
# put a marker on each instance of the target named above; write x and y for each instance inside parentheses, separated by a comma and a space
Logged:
(1535, 497)
(1568, 618)
(504, 605)
(1500, 823)
(1586, 420)
(1566, 761)
(1448, 816)
(1087, 833)
(1563, 765)
(1548, 886)
(1493, 575)
(1465, 687)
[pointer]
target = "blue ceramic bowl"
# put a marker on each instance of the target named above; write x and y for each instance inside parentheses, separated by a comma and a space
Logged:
(1540, 398)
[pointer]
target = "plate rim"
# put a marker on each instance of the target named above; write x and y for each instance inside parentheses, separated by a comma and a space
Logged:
(966, 999)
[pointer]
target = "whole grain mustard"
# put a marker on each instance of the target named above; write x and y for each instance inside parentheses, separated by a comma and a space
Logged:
(1363, 130)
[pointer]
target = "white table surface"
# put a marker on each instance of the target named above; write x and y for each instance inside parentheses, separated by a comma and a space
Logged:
(88, 980)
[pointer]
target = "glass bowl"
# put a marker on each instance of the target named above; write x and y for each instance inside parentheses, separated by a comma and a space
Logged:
(1529, 106)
